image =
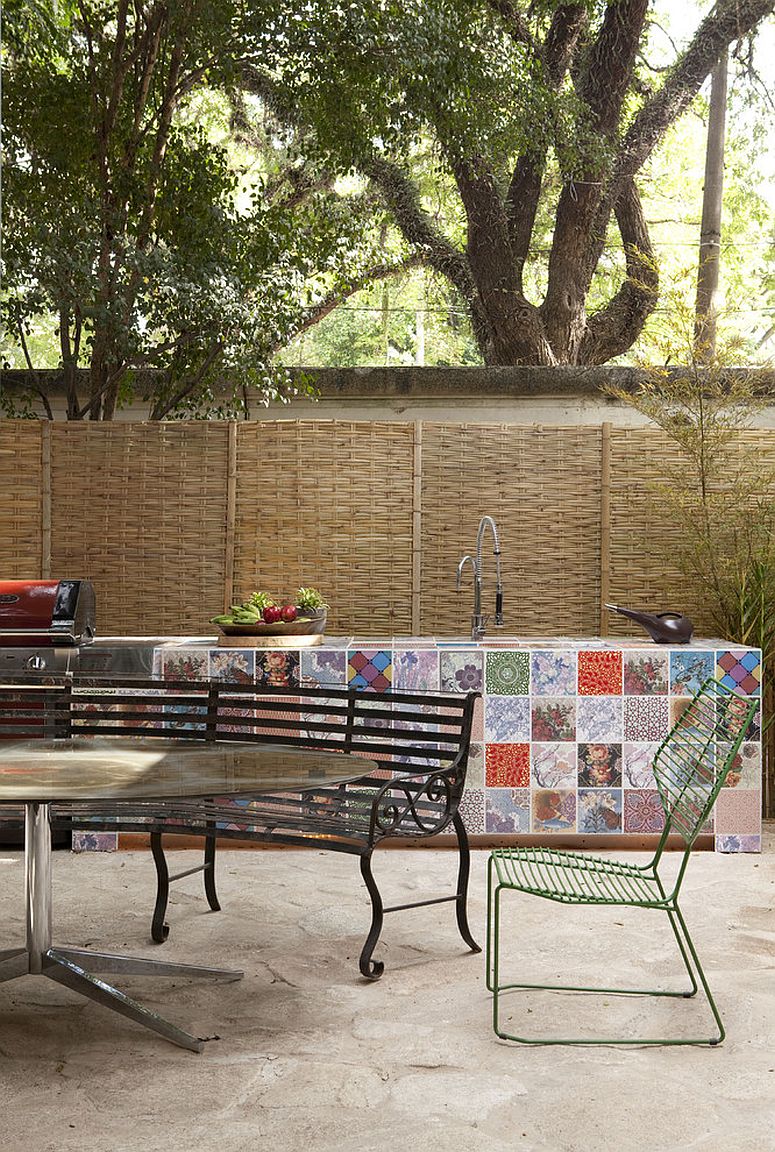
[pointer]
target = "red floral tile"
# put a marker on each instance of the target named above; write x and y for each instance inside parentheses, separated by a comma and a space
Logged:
(507, 765)
(600, 673)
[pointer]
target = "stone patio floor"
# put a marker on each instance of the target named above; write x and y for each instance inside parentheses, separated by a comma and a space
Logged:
(304, 1054)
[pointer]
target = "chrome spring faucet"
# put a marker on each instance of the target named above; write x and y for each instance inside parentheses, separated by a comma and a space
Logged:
(478, 620)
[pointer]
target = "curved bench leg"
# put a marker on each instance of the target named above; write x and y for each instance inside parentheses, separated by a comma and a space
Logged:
(463, 872)
(371, 969)
(159, 930)
(209, 871)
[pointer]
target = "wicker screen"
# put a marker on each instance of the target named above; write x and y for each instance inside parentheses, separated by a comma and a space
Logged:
(22, 493)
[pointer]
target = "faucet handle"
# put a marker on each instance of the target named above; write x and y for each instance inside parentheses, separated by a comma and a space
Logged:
(498, 609)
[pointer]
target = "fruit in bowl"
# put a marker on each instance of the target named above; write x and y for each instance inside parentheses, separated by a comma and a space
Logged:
(261, 615)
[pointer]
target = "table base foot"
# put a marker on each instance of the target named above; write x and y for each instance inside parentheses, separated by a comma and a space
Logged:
(14, 962)
(64, 971)
(137, 965)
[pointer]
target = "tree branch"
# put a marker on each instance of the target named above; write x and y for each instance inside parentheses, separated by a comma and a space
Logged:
(164, 406)
(615, 327)
(514, 21)
(327, 305)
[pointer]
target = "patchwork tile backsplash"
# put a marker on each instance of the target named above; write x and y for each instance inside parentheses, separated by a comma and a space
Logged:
(566, 733)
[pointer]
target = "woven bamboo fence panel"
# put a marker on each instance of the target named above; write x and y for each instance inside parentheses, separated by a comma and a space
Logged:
(21, 499)
(543, 487)
(329, 504)
(141, 509)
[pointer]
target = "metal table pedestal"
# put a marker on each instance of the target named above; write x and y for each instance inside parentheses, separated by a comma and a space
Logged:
(75, 967)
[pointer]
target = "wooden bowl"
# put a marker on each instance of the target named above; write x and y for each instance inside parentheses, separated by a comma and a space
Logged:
(283, 633)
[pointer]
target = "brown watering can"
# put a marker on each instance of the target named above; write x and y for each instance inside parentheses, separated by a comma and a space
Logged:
(662, 627)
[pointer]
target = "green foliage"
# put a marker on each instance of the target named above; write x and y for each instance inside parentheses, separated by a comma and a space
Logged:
(722, 493)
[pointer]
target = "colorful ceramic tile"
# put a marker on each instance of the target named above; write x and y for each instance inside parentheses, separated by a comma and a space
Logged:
(461, 671)
(600, 810)
(553, 766)
(95, 842)
(507, 765)
(507, 673)
(507, 810)
(471, 808)
(185, 664)
(738, 813)
(277, 668)
(600, 673)
(370, 669)
(416, 669)
(475, 768)
(735, 718)
(600, 765)
(740, 670)
(553, 718)
(643, 811)
(554, 810)
(237, 665)
(507, 718)
(746, 769)
(637, 761)
(646, 673)
(646, 718)
(324, 667)
(553, 673)
(738, 843)
(599, 719)
(688, 669)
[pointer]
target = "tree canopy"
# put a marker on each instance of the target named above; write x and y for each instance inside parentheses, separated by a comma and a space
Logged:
(525, 107)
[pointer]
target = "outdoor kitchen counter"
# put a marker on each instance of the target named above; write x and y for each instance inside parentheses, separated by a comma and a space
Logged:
(567, 728)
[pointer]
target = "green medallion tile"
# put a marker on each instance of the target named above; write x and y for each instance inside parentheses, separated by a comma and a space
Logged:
(507, 673)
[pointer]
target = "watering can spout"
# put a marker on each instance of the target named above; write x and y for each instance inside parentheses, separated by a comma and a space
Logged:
(662, 627)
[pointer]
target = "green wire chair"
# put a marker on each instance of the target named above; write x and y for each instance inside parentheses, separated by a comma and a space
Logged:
(690, 768)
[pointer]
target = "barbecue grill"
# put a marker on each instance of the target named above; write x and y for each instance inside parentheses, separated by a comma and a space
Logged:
(44, 624)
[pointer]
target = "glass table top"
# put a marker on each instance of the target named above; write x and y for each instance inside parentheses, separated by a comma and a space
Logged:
(137, 768)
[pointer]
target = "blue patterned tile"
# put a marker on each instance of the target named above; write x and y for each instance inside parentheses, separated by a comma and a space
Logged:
(324, 667)
(600, 810)
(688, 670)
(599, 719)
(507, 810)
(507, 719)
(553, 673)
(416, 670)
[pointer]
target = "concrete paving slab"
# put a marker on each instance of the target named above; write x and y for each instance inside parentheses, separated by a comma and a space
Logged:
(305, 1054)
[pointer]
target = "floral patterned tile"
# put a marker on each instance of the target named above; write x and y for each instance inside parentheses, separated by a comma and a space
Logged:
(370, 669)
(688, 670)
(185, 664)
(738, 843)
(553, 766)
(553, 718)
(643, 811)
(735, 718)
(646, 718)
(600, 810)
(600, 765)
(507, 673)
(738, 812)
(740, 670)
(507, 810)
(95, 842)
(236, 665)
(277, 668)
(507, 718)
(461, 671)
(600, 673)
(637, 765)
(507, 765)
(475, 768)
(416, 669)
(324, 667)
(472, 810)
(554, 810)
(646, 674)
(746, 768)
(599, 719)
(553, 673)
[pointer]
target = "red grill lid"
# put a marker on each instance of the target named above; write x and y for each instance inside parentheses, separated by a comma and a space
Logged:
(46, 611)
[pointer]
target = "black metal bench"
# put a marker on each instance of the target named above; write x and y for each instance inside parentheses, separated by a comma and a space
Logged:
(420, 742)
